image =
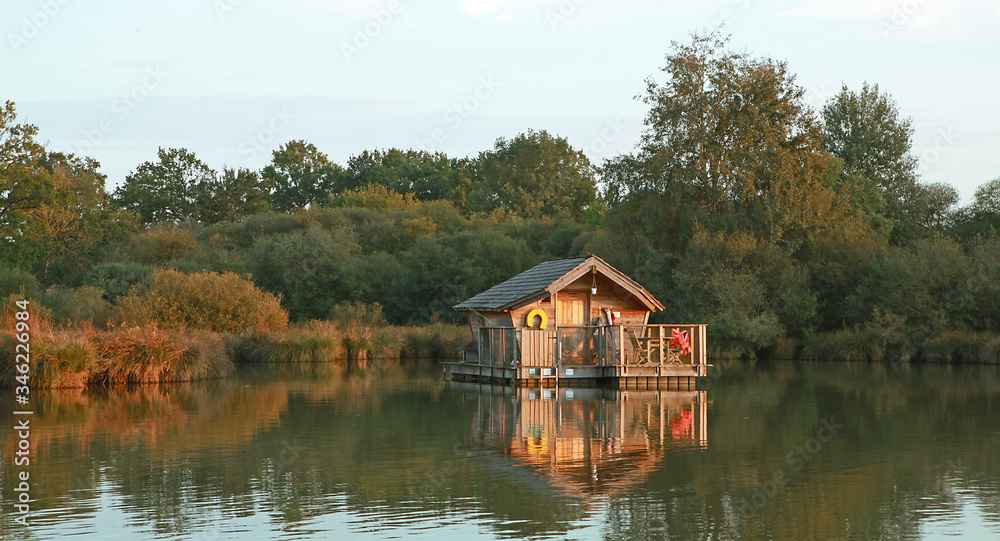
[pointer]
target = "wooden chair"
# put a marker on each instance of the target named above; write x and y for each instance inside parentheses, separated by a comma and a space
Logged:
(641, 356)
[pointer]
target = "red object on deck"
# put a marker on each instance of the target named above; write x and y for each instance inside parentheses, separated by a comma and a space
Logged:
(679, 340)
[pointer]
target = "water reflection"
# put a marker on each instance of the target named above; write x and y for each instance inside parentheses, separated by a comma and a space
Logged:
(393, 452)
(583, 442)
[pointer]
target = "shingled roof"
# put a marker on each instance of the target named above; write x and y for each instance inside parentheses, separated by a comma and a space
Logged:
(548, 277)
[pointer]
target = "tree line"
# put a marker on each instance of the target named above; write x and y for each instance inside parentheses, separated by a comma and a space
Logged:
(777, 223)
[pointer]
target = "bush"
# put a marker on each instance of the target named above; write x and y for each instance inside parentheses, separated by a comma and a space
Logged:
(86, 303)
(210, 301)
(160, 244)
(20, 282)
(358, 314)
(116, 279)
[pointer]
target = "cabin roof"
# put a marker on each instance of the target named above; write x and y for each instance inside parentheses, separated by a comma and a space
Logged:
(546, 278)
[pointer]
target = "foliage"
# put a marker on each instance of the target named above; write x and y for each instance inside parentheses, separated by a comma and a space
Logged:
(18, 282)
(532, 175)
(864, 129)
(311, 269)
(167, 190)
(749, 291)
(299, 175)
(780, 225)
(422, 175)
(74, 306)
(211, 301)
(115, 279)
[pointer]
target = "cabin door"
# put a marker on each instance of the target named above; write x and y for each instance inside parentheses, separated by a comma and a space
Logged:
(571, 318)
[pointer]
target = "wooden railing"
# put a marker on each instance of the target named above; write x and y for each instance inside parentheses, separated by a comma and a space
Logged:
(603, 345)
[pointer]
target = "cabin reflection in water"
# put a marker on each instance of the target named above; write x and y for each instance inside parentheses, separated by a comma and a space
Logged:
(584, 442)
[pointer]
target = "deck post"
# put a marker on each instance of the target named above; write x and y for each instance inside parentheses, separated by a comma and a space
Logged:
(660, 333)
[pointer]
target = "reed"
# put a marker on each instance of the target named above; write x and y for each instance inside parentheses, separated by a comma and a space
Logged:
(845, 345)
(962, 347)
(316, 341)
(326, 341)
(434, 341)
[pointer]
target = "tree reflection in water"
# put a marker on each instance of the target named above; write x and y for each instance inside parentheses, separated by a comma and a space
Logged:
(393, 452)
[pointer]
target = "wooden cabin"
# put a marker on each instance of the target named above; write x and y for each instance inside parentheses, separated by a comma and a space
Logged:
(576, 318)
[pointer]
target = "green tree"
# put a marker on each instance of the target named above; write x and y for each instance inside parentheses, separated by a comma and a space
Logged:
(74, 216)
(729, 143)
(233, 194)
(427, 176)
(866, 131)
(532, 175)
(21, 188)
(749, 290)
(167, 190)
(300, 175)
(982, 216)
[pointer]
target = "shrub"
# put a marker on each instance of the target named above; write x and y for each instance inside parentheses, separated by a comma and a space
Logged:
(20, 282)
(86, 303)
(115, 279)
(160, 244)
(211, 301)
(358, 314)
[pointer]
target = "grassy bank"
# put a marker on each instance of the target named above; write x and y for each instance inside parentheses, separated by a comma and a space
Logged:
(82, 356)
(324, 341)
(873, 344)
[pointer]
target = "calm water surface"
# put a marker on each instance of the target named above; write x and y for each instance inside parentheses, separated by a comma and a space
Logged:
(771, 451)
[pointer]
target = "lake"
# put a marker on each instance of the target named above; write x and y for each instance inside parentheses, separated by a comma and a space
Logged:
(767, 451)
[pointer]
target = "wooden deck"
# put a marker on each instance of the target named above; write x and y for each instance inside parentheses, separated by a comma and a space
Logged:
(618, 356)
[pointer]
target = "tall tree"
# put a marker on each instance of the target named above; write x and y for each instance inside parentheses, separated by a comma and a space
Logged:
(21, 186)
(428, 176)
(232, 194)
(75, 216)
(166, 190)
(535, 174)
(729, 143)
(982, 215)
(866, 131)
(299, 175)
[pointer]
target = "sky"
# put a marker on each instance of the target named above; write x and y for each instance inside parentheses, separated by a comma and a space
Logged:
(232, 80)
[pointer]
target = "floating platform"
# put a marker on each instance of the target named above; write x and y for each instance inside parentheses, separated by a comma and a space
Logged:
(615, 356)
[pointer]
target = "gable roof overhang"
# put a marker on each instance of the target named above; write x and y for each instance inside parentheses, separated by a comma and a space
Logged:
(549, 277)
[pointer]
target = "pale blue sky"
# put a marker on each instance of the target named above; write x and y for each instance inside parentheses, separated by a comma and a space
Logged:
(232, 79)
